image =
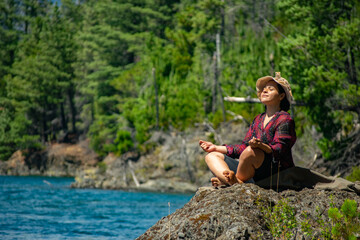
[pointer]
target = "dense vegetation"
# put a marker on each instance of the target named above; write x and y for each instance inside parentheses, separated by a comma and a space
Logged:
(114, 70)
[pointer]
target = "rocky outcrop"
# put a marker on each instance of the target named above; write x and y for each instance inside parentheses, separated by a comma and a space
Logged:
(343, 157)
(126, 172)
(55, 160)
(235, 213)
(174, 163)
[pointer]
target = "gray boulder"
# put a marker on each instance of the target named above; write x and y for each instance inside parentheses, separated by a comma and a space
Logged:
(235, 213)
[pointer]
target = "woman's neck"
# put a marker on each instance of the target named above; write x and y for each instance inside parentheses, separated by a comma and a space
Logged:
(271, 110)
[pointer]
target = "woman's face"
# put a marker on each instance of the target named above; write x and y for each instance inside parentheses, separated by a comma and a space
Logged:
(270, 94)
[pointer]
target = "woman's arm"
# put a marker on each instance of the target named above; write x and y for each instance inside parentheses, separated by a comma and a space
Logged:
(256, 143)
(210, 147)
(284, 138)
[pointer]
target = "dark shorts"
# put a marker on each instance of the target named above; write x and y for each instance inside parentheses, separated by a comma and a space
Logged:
(265, 170)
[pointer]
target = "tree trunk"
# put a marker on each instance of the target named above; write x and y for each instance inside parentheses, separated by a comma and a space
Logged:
(214, 87)
(353, 68)
(44, 126)
(218, 73)
(72, 108)
(63, 118)
(156, 98)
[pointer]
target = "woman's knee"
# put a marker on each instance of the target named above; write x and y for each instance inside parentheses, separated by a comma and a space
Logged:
(253, 156)
(248, 152)
(213, 156)
(251, 152)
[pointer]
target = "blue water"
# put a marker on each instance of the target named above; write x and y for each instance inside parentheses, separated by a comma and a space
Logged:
(47, 208)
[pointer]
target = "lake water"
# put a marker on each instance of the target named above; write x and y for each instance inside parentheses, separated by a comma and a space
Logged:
(47, 208)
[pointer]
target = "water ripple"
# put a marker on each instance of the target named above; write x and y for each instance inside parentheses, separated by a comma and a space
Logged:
(46, 208)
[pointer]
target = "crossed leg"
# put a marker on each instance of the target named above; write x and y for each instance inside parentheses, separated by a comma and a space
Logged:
(217, 165)
(250, 160)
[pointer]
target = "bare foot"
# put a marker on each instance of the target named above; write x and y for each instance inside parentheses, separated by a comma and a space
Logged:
(231, 177)
(215, 182)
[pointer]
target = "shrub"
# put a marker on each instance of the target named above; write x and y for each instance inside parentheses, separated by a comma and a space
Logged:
(102, 167)
(343, 223)
(355, 174)
(346, 221)
(280, 219)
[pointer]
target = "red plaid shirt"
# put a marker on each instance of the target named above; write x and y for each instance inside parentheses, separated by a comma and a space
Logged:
(279, 134)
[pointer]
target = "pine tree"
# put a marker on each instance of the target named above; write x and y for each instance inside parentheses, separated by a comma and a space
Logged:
(323, 58)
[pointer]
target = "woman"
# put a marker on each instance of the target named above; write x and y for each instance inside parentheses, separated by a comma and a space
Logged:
(266, 147)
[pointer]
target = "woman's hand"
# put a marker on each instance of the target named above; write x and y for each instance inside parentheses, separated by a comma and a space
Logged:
(256, 143)
(207, 146)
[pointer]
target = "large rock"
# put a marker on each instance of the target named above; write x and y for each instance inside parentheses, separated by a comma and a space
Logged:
(16, 165)
(108, 174)
(234, 213)
(175, 164)
(56, 160)
(167, 185)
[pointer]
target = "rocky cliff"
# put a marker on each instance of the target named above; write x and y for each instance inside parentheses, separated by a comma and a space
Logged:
(174, 163)
(55, 160)
(237, 212)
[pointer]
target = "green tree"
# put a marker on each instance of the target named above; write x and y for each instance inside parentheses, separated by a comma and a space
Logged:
(323, 59)
(16, 128)
(9, 22)
(40, 83)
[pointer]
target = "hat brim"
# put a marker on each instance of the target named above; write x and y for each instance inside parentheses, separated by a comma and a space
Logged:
(261, 83)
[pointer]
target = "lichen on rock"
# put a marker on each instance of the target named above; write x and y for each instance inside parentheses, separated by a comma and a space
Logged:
(235, 213)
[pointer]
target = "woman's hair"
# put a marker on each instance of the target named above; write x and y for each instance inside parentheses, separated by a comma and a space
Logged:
(284, 104)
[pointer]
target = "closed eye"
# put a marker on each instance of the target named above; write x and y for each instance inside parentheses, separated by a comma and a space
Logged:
(269, 88)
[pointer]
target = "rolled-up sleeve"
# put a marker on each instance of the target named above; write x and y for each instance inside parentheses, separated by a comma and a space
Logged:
(234, 151)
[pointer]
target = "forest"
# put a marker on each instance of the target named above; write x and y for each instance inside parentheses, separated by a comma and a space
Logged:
(114, 71)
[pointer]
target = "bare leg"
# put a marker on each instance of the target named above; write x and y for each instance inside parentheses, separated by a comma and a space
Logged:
(217, 166)
(250, 159)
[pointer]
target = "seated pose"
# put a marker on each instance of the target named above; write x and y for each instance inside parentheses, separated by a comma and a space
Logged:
(267, 145)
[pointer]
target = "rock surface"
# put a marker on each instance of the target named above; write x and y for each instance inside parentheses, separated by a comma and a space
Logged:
(344, 156)
(175, 162)
(234, 213)
(56, 160)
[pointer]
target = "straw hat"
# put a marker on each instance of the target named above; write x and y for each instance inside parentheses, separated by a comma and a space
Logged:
(261, 82)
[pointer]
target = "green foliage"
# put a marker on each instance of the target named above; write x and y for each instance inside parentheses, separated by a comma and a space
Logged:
(123, 142)
(346, 221)
(340, 224)
(280, 219)
(102, 134)
(102, 167)
(306, 226)
(15, 132)
(323, 223)
(87, 67)
(355, 174)
(182, 109)
(139, 114)
(321, 56)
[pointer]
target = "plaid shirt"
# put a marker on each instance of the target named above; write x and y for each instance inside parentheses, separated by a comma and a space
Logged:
(279, 134)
